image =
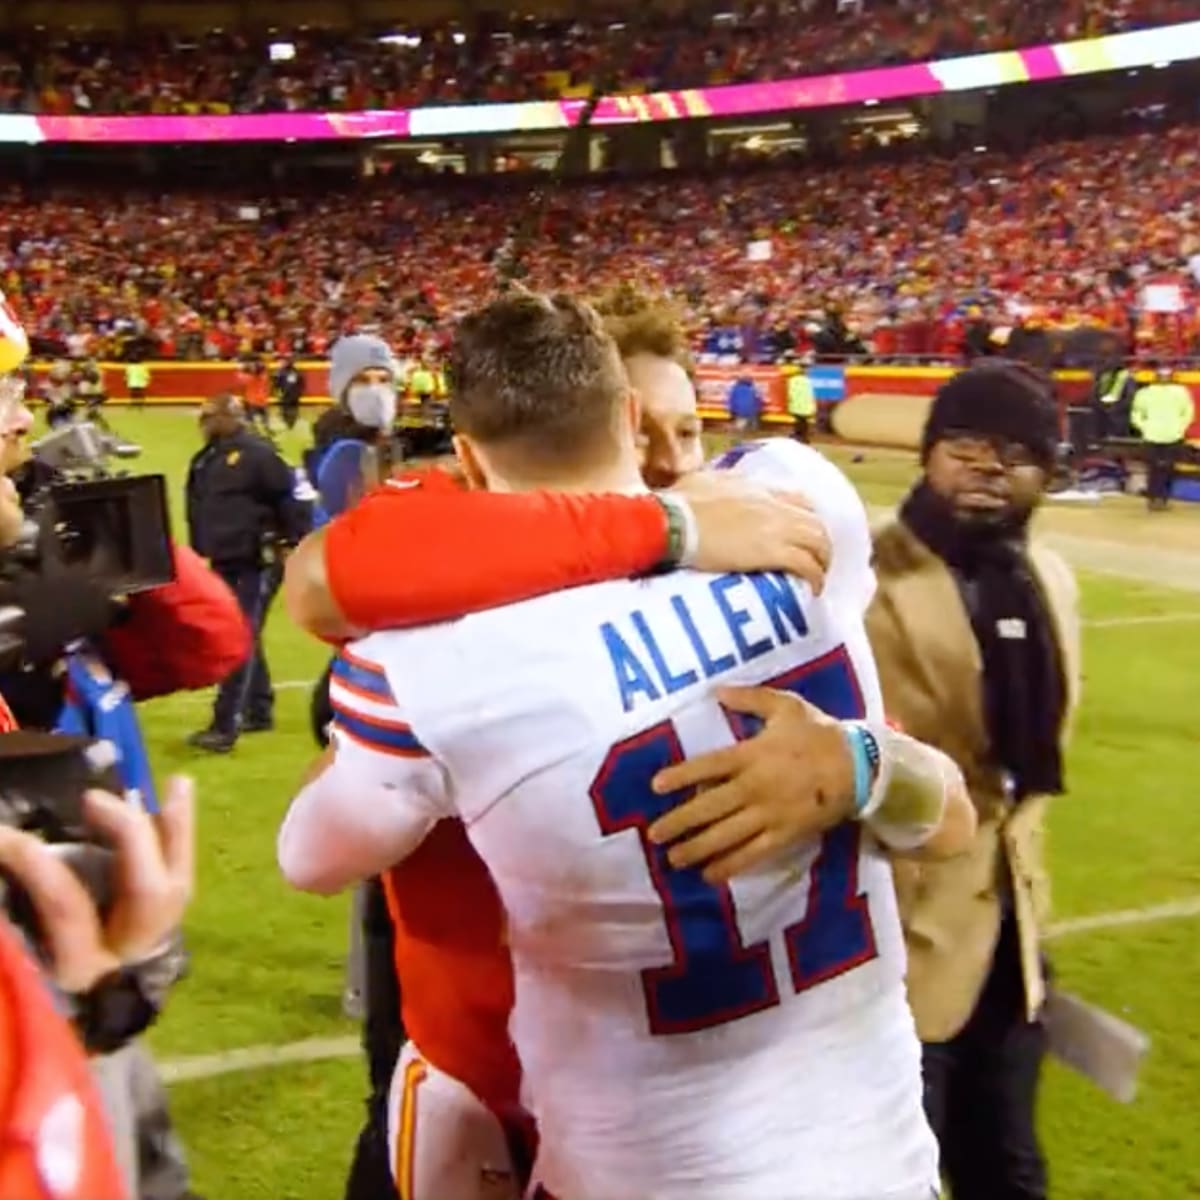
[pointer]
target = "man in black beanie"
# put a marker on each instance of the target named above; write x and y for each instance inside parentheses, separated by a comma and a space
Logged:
(976, 634)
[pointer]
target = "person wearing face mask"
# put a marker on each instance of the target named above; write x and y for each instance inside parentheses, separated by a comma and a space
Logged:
(351, 441)
(351, 453)
(242, 515)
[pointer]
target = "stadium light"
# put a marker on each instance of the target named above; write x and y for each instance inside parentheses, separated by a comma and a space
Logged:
(282, 51)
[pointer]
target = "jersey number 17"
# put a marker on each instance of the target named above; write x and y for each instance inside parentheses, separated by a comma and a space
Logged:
(714, 977)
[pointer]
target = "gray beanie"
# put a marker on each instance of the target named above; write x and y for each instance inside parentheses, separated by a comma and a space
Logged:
(350, 355)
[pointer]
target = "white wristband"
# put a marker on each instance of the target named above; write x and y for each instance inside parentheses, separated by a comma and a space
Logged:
(909, 796)
(691, 530)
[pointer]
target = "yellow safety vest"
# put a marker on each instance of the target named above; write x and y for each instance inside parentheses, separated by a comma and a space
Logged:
(1163, 413)
(1115, 389)
(802, 401)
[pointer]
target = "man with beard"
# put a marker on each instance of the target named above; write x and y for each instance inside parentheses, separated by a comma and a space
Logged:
(976, 634)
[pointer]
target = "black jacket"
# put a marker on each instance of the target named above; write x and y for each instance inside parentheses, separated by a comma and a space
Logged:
(240, 495)
(289, 384)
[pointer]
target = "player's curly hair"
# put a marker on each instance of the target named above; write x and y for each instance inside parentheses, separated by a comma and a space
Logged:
(643, 323)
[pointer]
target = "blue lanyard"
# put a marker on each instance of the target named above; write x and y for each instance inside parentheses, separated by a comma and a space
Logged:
(99, 706)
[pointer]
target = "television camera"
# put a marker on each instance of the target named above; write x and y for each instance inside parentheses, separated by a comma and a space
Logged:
(83, 512)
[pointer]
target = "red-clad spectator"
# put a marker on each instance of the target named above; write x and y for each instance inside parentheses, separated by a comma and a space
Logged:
(1062, 233)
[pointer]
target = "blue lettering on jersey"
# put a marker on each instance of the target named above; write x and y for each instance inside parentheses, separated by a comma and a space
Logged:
(671, 683)
(775, 591)
(640, 667)
(735, 618)
(632, 676)
(709, 665)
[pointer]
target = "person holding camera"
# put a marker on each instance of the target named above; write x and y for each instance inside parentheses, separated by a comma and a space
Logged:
(57, 1139)
(106, 967)
(242, 515)
(74, 655)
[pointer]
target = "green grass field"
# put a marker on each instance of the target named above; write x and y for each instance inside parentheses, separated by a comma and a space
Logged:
(267, 964)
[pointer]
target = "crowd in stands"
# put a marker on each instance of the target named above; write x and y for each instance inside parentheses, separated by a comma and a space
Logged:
(1064, 234)
(623, 49)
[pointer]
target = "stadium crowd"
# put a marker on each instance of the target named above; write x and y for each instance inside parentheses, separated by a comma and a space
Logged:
(1064, 234)
(612, 51)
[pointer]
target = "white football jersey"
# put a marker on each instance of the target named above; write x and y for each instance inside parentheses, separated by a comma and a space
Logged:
(678, 1040)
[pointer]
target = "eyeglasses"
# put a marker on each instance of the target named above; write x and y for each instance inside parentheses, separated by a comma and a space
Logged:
(981, 453)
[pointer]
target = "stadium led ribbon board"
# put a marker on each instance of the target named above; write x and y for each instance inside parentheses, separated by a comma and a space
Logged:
(1063, 60)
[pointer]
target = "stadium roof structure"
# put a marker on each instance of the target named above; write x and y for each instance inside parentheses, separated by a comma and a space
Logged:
(196, 16)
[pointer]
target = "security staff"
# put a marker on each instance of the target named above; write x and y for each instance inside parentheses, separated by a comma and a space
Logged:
(1112, 399)
(289, 387)
(137, 380)
(241, 508)
(422, 384)
(802, 403)
(1163, 412)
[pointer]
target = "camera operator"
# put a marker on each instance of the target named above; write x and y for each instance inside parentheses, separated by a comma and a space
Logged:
(242, 515)
(166, 638)
(87, 954)
(58, 602)
(57, 1140)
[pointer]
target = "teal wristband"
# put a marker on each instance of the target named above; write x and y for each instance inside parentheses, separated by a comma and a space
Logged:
(864, 750)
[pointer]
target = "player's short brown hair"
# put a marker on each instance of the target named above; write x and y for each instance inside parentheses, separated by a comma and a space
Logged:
(642, 323)
(536, 376)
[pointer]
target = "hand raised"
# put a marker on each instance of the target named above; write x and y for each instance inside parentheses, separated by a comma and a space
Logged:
(742, 526)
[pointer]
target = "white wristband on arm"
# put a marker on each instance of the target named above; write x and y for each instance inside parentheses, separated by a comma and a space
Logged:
(908, 797)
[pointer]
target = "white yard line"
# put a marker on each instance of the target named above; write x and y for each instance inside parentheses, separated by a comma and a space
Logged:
(1180, 618)
(1173, 910)
(257, 1058)
(313, 1050)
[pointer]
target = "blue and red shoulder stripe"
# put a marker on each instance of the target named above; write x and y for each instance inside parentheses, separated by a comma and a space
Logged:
(364, 708)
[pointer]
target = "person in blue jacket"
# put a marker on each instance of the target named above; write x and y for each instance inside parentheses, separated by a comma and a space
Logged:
(745, 404)
(351, 449)
(362, 381)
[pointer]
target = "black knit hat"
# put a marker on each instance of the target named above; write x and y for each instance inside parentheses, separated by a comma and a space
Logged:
(1000, 399)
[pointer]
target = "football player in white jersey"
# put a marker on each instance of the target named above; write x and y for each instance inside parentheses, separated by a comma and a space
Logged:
(679, 1039)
